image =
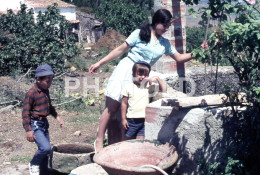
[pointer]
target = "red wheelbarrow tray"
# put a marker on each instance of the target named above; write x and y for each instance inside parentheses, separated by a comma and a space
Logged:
(128, 157)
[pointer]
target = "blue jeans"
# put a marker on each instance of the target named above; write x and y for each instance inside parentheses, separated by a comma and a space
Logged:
(42, 139)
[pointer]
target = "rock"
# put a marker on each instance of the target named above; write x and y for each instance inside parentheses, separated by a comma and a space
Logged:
(7, 163)
(77, 133)
(87, 48)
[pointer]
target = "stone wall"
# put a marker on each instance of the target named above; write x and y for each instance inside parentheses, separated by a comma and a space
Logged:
(90, 28)
(196, 84)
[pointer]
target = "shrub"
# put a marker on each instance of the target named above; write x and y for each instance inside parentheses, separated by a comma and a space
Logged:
(122, 16)
(26, 44)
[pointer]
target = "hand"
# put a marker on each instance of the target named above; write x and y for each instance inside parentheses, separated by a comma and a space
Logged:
(125, 124)
(152, 79)
(94, 67)
(30, 136)
(204, 45)
(60, 121)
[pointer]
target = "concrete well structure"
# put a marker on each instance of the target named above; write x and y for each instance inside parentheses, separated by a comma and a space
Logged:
(194, 125)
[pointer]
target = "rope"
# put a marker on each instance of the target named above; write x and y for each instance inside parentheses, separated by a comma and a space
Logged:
(156, 167)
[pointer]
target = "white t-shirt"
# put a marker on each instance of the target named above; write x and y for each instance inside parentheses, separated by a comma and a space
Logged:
(138, 98)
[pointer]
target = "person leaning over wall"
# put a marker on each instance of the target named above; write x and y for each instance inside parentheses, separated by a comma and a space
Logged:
(145, 44)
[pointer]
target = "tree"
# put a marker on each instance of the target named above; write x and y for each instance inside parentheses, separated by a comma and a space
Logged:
(26, 44)
(195, 36)
(239, 42)
(123, 16)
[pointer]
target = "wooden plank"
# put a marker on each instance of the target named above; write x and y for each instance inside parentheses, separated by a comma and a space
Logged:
(206, 100)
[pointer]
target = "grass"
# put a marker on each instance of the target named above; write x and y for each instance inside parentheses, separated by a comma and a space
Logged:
(85, 118)
(1, 140)
(21, 159)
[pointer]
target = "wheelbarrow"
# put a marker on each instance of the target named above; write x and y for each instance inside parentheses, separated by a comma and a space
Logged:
(132, 157)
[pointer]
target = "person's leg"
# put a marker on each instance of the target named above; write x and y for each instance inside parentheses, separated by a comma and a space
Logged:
(111, 108)
(44, 148)
(44, 163)
(140, 133)
(124, 137)
(132, 130)
(140, 137)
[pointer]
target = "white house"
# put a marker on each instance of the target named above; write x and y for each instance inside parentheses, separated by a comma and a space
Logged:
(66, 9)
(85, 26)
(9, 4)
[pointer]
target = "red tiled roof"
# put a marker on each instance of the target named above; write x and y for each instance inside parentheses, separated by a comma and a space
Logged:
(46, 3)
(5, 12)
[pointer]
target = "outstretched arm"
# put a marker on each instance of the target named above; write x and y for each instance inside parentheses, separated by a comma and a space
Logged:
(117, 52)
(181, 58)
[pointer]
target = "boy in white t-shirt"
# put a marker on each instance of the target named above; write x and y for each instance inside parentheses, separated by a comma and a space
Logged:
(135, 98)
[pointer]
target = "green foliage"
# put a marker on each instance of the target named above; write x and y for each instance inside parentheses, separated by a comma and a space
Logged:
(78, 103)
(21, 159)
(240, 39)
(195, 36)
(90, 6)
(26, 44)
(80, 64)
(123, 16)
(239, 42)
(85, 118)
(217, 9)
(84, 61)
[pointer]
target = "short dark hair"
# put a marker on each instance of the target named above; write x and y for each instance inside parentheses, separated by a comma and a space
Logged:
(141, 67)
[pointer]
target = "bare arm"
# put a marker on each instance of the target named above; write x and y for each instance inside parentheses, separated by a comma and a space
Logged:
(181, 58)
(124, 104)
(162, 85)
(61, 122)
(117, 52)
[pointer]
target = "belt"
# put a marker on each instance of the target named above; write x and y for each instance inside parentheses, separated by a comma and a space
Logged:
(39, 118)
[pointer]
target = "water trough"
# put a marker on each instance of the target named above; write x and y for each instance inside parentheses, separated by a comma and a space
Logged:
(66, 157)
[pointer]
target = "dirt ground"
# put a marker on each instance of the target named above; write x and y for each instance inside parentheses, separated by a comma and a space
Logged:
(16, 150)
